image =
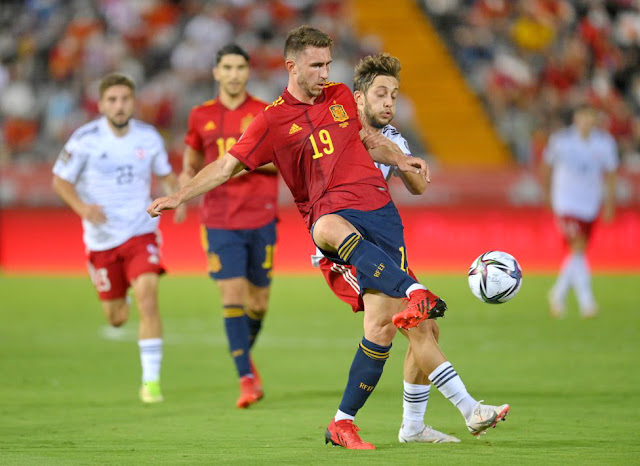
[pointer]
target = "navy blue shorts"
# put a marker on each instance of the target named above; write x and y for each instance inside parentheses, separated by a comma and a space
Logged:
(241, 253)
(382, 227)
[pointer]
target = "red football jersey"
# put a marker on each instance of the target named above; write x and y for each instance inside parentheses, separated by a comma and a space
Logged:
(318, 151)
(245, 202)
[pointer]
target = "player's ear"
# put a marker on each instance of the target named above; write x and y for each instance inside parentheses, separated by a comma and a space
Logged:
(214, 72)
(291, 66)
(359, 97)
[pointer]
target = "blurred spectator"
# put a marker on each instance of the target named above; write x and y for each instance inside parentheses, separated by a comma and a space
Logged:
(533, 61)
(53, 51)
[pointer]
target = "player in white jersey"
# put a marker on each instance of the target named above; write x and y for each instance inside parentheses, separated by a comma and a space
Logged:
(104, 174)
(578, 174)
(376, 89)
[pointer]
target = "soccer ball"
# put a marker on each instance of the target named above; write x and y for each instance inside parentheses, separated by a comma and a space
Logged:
(495, 277)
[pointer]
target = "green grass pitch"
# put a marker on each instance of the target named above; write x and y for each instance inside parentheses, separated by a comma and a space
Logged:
(68, 389)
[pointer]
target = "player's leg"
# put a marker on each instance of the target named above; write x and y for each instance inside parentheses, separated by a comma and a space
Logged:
(574, 271)
(432, 361)
(228, 257)
(150, 342)
(141, 262)
(261, 247)
(415, 398)
(353, 236)
(366, 368)
(116, 311)
(581, 278)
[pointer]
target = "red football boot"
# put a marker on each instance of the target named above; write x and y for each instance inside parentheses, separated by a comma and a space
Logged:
(249, 393)
(421, 305)
(345, 434)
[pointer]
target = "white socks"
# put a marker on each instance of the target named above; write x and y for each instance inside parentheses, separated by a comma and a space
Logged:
(575, 272)
(414, 406)
(447, 380)
(151, 358)
(341, 416)
(414, 287)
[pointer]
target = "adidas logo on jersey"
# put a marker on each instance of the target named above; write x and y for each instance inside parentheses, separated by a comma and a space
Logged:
(210, 126)
(294, 129)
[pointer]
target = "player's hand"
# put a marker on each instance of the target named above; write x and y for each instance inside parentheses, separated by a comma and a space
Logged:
(415, 165)
(93, 213)
(180, 214)
(162, 203)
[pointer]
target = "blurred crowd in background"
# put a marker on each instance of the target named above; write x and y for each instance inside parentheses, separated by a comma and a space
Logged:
(533, 61)
(54, 52)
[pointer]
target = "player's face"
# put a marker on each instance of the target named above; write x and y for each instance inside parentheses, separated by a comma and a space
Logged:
(378, 105)
(585, 120)
(232, 74)
(117, 104)
(311, 69)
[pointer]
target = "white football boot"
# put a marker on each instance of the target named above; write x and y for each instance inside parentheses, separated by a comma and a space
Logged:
(485, 416)
(427, 435)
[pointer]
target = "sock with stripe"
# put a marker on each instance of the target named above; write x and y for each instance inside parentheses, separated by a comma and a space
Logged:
(364, 375)
(254, 324)
(414, 407)
(373, 262)
(150, 358)
(238, 337)
(446, 379)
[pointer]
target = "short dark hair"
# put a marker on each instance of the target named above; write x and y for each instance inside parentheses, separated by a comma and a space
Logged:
(115, 79)
(231, 49)
(371, 66)
(305, 36)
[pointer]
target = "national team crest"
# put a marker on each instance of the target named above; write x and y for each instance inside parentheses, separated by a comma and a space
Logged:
(140, 153)
(338, 112)
(245, 122)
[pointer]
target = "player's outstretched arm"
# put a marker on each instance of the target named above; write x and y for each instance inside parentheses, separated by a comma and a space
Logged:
(211, 176)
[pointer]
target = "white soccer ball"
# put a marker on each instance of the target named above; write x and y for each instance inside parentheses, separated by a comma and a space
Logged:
(495, 277)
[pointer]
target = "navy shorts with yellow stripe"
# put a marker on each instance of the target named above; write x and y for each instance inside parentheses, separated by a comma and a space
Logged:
(240, 253)
(382, 227)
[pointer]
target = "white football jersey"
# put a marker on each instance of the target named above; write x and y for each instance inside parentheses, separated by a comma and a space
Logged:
(394, 135)
(578, 166)
(114, 173)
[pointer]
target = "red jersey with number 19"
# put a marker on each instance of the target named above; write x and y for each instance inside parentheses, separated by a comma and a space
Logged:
(318, 151)
(244, 202)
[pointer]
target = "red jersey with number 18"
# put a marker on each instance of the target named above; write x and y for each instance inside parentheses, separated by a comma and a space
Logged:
(244, 202)
(318, 151)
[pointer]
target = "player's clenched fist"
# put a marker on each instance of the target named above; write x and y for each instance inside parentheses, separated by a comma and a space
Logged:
(162, 203)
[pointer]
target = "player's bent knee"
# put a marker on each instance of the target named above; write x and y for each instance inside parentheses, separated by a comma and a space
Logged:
(330, 230)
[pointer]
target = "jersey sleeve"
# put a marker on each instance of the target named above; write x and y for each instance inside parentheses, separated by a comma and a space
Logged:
(71, 161)
(254, 148)
(192, 138)
(160, 165)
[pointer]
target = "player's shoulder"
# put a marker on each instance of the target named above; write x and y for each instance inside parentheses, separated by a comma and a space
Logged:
(145, 131)
(204, 107)
(85, 131)
(144, 128)
(604, 136)
(275, 104)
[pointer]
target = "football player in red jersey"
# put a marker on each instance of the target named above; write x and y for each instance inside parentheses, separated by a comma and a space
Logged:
(312, 134)
(239, 217)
